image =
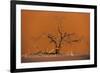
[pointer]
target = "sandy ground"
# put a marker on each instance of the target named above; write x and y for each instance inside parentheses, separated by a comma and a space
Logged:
(53, 58)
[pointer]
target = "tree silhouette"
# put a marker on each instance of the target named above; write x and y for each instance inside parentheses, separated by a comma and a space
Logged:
(63, 37)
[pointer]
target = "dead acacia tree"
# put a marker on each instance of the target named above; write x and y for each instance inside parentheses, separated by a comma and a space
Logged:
(61, 38)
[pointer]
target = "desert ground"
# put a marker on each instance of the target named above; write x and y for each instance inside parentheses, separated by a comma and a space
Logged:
(48, 58)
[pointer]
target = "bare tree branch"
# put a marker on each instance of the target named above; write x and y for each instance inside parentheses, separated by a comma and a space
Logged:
(52, 39)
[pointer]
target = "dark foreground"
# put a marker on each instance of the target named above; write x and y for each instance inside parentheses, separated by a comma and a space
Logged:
(53, 58)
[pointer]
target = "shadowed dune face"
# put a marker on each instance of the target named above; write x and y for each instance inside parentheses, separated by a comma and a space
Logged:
(37, 24)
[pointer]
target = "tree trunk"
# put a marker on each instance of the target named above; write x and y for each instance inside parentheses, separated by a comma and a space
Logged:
(57, 51)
